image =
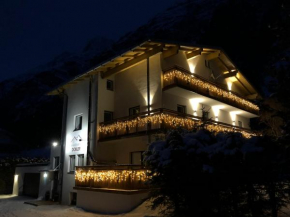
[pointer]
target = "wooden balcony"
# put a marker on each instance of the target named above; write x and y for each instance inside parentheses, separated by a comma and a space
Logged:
(159, 121)
(178, 77)
(124, 177)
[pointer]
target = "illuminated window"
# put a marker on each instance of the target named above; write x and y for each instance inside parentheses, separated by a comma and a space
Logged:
(108, 116)
(110, 85)
(72, 163)
(81, 159)
(134, 110)
(181, 108)
(137, 158)
(78, 122)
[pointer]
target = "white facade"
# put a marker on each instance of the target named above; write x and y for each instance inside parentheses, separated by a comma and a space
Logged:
(90, 97)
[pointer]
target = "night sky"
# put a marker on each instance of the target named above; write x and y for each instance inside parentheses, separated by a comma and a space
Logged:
(33, 32)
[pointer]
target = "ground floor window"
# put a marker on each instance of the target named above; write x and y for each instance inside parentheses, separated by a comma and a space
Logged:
(72, 163)
(137, 157)
(81, 159)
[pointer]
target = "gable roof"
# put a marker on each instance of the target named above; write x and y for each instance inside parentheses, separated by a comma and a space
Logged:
(149, 48)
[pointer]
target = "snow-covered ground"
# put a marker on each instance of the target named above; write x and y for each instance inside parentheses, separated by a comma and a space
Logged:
(12, 206)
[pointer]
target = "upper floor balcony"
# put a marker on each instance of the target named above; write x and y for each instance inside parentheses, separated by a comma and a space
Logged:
(159, 121)
(178, 77)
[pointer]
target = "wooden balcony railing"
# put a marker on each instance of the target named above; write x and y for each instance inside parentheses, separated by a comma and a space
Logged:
(178, 77)
(159, 121)
(127, 177)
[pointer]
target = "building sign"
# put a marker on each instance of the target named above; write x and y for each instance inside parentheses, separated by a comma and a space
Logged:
(76, 148)
(75, 143)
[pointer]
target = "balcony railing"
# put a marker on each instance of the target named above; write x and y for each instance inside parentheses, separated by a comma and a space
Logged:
(131, 177)
(182, 78)
(159, 121)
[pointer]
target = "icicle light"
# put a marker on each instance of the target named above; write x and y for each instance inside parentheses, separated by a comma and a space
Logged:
(117, 179)
(170, 120)
(200, 84)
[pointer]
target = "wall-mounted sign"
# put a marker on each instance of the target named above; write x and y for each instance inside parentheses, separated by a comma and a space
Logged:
(76, 148)
(76, 141)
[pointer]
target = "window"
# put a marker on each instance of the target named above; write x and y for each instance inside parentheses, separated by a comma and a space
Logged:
(134, 110)
(81, 161)
(205, 115)
(72, 163)
(240, 123)
(110, 85)
(181, 108)
(137, 158)
(108, 116)
(78, 122)
(55, 162)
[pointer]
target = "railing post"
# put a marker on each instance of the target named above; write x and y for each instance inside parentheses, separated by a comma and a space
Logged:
(137, 126)
(127, 129)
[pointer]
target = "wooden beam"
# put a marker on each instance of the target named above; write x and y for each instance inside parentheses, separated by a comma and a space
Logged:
(225, 64)
(129, 55)
(252, 96)
(186, 49)
(212, 56)
(194, 53)
(139, 50)
(170, 52)
(150, 45)
(117, 60)
(230, 74)
(131, 63)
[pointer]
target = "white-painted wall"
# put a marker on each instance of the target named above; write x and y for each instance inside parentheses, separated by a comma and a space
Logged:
(109, 202)
(76, 140)
(176, 60)
(131, 87)
(197, 66)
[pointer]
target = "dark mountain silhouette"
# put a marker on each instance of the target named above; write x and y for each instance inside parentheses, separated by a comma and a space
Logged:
(245, 29)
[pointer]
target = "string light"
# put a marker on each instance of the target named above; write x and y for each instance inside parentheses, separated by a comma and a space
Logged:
(172, 121)
(200, 84)
(118, 178)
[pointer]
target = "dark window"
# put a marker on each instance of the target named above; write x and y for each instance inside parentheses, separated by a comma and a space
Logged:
(72, 163)
(134, 110)
(81, 161)
(181, 108)
(137, 158)
(110, 85)
(55, 162)
(78, 122)
(73, 198)
(205, 115)
(240, 123)
(108, 116)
